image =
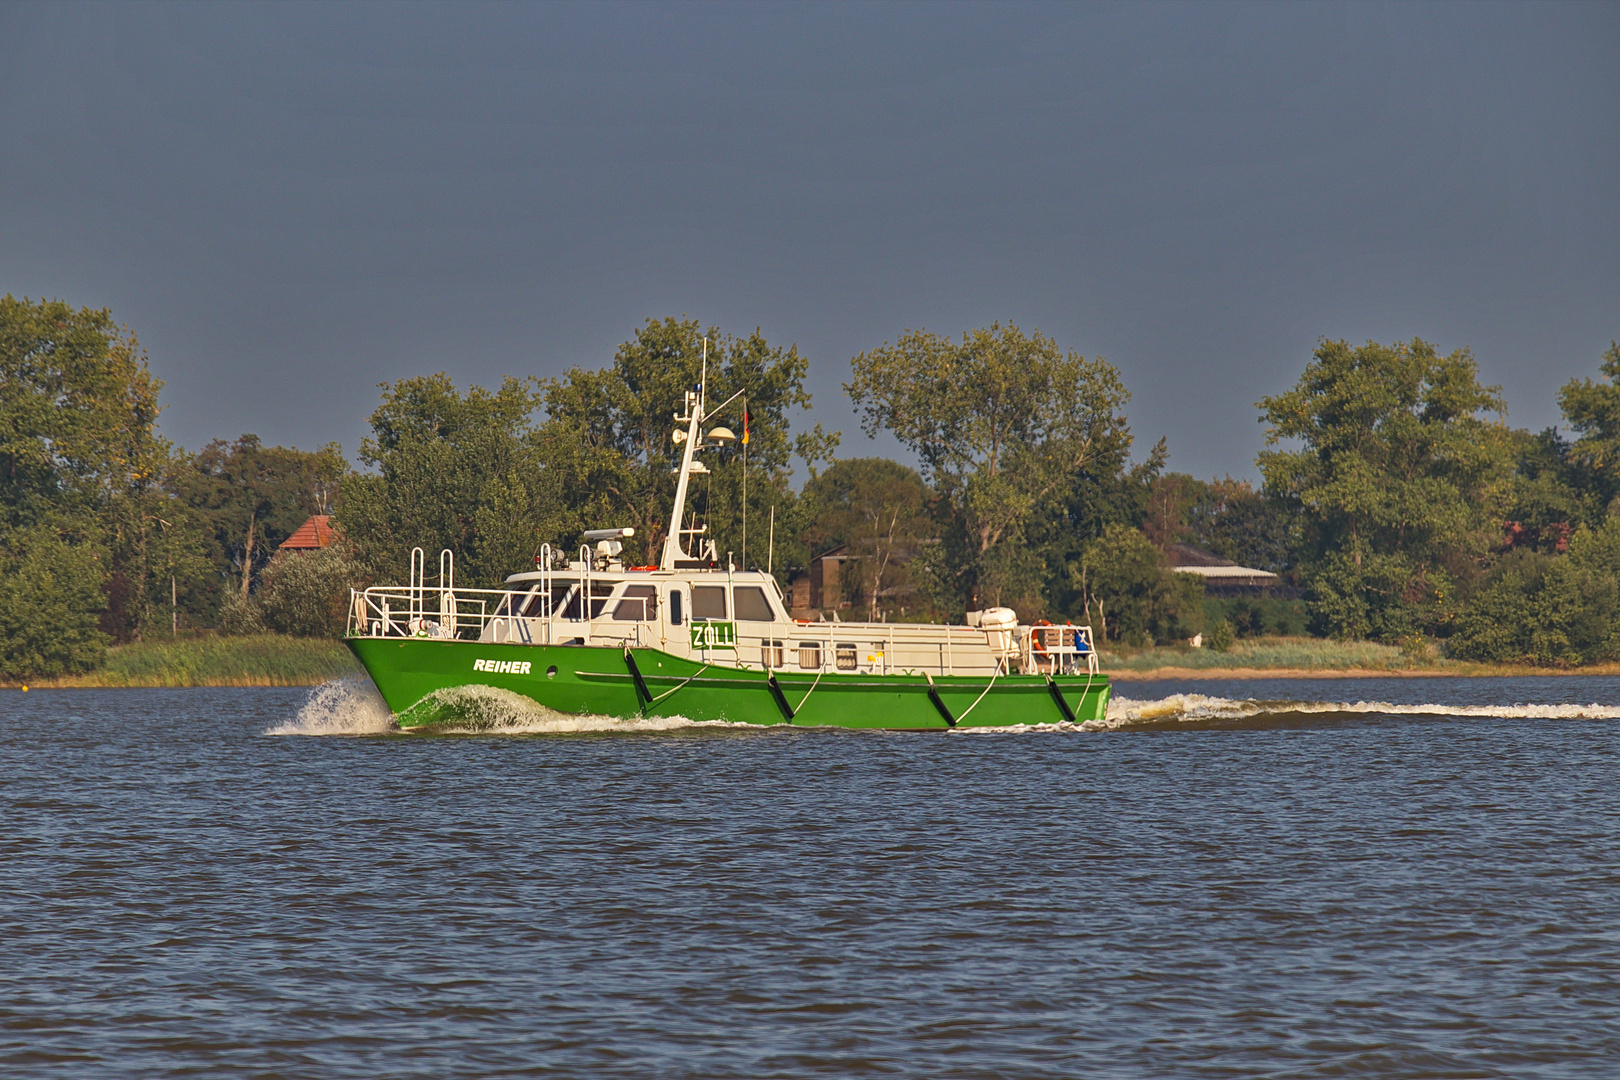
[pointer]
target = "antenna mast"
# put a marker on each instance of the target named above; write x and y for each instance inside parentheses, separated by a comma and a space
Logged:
(673, 548)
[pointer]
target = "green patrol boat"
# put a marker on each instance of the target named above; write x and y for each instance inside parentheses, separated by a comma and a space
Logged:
(692, 638)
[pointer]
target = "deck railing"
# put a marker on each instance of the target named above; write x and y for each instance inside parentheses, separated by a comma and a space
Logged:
(887, 648)
(884, 648)
(464, 614)
(407, 611)
(1060, 650)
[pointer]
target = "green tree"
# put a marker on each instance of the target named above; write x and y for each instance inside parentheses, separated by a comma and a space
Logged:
(78, 411)
(1556, 611)
(1553, 491)
(1171, 499)
(1129, 594)
(1234, 521)
(306, 593)
(50, 597)
(1593, 411)
(82, 467)
(159, 559)
(451, 470)
(1397, 481)
(1109, 491)
(879, 509)
(1000, 422)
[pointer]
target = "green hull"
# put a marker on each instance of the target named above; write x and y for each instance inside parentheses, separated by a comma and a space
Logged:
(648, 682)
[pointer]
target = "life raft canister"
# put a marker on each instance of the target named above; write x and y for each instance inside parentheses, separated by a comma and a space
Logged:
(998, 624)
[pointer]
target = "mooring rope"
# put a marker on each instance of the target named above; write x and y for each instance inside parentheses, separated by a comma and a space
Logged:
(678, 685)
(1089, 676)
(808, 692)
(980, 698)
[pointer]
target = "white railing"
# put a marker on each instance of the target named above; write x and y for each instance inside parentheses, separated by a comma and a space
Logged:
(888, 648)
(446, 614)
(1059, 650)
(419, 610)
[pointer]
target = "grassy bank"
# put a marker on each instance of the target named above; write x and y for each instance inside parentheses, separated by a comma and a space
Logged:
(260, 660)
(1270, 657)
(1300, 653)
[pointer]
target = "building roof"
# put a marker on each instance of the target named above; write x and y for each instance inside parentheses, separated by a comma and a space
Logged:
(317, 532)
(1227, 573)
(1186, 559)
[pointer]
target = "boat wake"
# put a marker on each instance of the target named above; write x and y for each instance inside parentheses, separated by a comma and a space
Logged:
(491, 710)
(353, 707)
(1184, 709)
(1199, 710)
(348, 706)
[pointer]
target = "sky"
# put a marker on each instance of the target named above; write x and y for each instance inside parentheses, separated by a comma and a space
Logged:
(290, 204)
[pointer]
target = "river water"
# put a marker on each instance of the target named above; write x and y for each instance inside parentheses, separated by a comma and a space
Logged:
(1382, 878)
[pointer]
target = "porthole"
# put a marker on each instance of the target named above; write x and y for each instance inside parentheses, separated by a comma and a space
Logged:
(551, 672)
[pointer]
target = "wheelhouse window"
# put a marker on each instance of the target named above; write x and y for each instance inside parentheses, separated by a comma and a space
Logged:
(708, 601)
(676, 617)
(567, 599)
(638, 603)
(519, 603)
(534, 605)
(750, 604)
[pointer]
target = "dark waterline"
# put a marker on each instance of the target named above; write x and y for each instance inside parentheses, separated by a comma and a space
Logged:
(1368, 893)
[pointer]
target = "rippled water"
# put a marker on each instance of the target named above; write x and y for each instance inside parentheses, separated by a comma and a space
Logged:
(1386, 878)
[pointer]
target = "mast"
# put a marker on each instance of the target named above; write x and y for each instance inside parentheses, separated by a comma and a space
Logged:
(673, 549)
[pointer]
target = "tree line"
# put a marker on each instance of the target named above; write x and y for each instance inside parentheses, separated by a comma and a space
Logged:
(1395, 502)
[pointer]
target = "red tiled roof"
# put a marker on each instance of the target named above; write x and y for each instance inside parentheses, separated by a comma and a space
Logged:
(317, 532)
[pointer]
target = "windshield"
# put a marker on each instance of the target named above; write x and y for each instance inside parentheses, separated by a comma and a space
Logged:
(750, 604)
(708, 601)
(639, 603)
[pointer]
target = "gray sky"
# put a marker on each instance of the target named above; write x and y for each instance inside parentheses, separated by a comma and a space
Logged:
(290, 204)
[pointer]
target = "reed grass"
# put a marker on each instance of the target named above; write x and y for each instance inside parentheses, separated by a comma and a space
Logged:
(256, 660)
(1293, 653)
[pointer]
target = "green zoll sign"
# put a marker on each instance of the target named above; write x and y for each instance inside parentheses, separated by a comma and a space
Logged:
(714, 635)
